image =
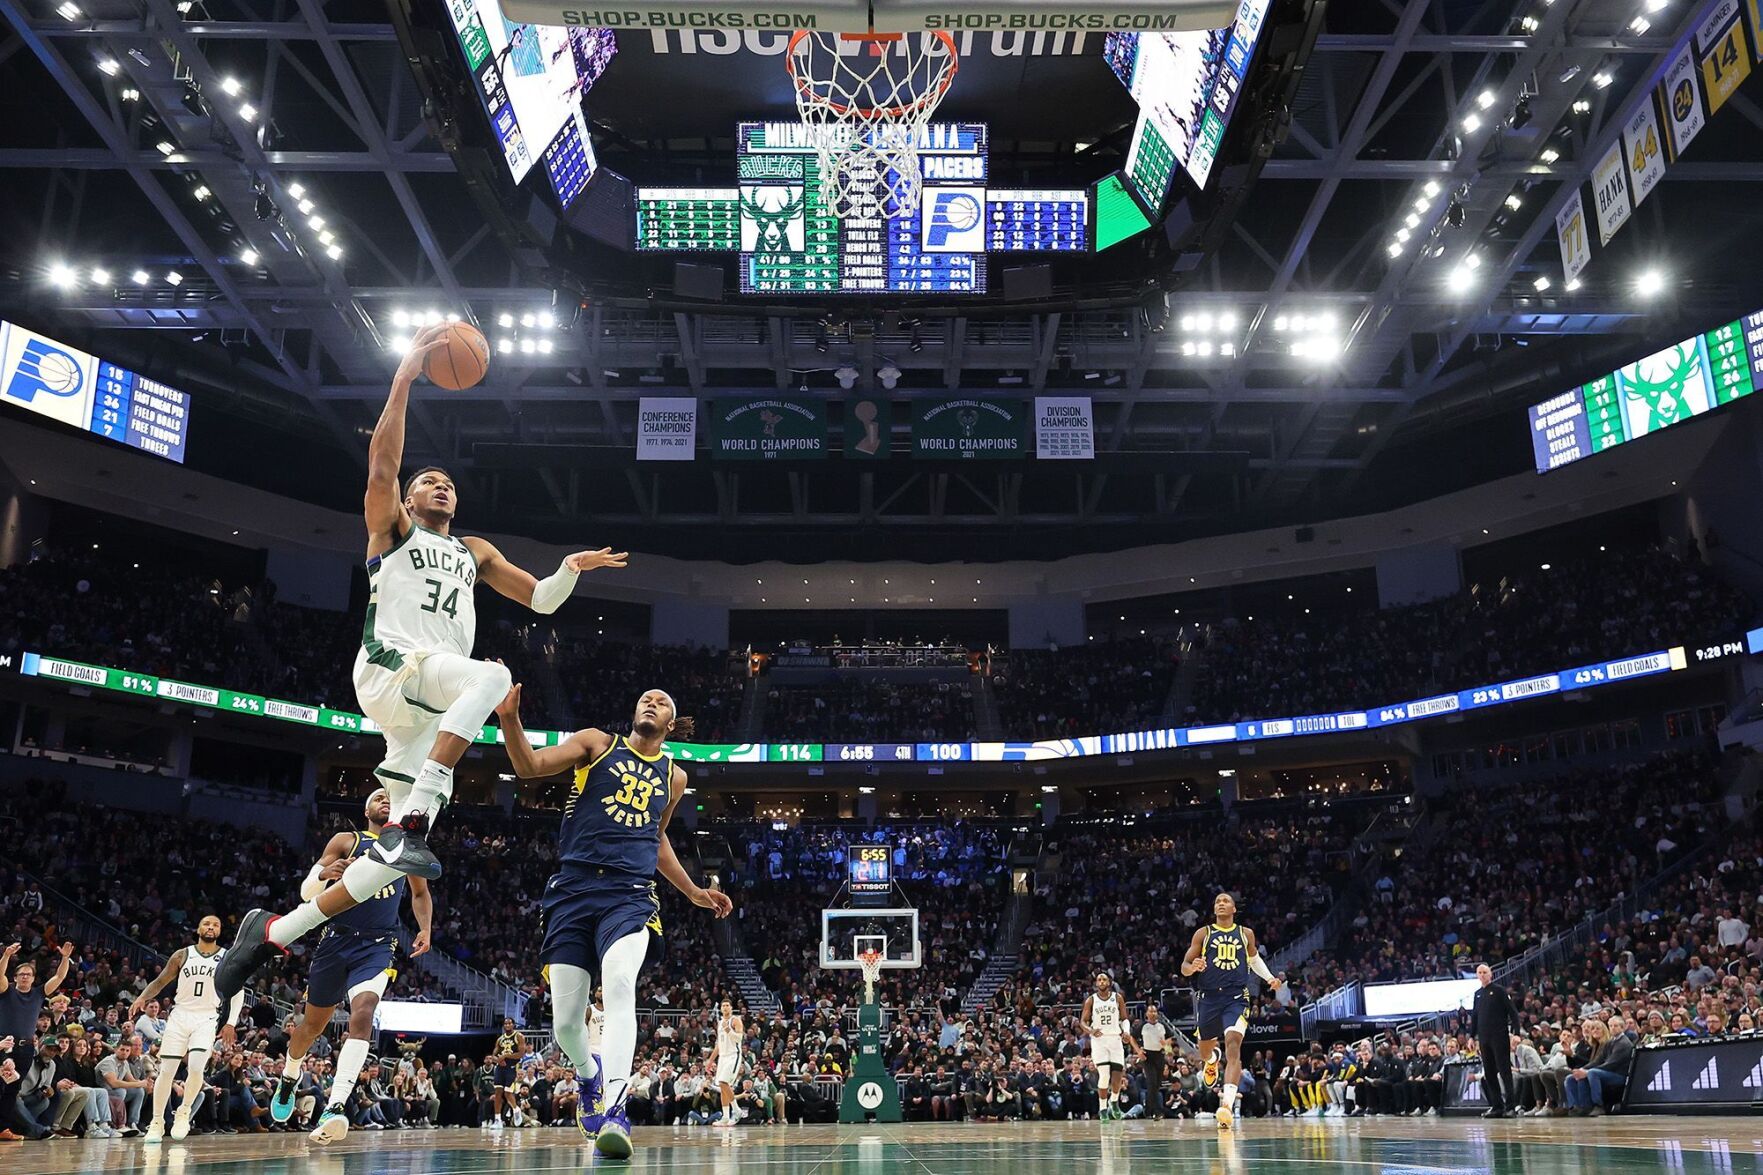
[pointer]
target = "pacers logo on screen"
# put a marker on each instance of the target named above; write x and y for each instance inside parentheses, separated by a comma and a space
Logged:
(46, 370)
(629, 805)
(956, 220)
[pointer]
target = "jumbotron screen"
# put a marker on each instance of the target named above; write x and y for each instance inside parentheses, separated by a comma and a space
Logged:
(790, 242)
(64, 383)
(1186, 85)
(1668, 387)
(531, 80)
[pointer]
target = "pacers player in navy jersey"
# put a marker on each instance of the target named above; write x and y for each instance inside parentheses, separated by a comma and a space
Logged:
(353, 961)
(602, 914)
(1220, 959)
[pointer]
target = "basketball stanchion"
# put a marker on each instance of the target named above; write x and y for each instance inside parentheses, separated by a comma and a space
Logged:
(871, 1091)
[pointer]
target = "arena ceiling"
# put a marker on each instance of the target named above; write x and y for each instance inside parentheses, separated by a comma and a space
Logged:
(110, 161)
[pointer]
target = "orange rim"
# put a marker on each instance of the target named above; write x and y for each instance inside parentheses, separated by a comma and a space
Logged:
(804, 86)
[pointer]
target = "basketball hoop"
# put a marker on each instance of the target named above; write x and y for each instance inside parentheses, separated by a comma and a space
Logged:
(871, 963)
(867, 97)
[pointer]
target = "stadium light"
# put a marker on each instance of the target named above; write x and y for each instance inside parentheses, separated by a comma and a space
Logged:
(505, 320)
(1639, 25)
(527, 347)
(248, 112)
(401, 318)
(174, 278)
(505, 345)
(100, 276)
(1485, 99)
(1650, 283)
(1460, 279)
(1542, 283)
(140, 277)
(201, 192)
(1395, 249)
(1471, 123)
(62, 276)
(544, 346)
(1602, 79)
(69, 11)
(1550, 155)
(248, 255)
(109, 66)
(297, 191)
(335, 252)
(398, 345)
(230, 87)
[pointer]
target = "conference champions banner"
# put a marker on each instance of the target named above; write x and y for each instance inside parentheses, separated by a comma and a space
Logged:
(667, 428)
(767, 429)
(969, 429)
(1065, 428)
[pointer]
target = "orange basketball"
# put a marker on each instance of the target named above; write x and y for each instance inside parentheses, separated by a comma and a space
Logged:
(462, 362)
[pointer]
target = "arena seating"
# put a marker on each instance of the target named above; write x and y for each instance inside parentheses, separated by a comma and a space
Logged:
(1095, 689)
(868, 710)
(1591, 609)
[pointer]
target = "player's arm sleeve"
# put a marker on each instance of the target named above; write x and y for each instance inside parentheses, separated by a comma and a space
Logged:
(550, 592)
(234, 1008)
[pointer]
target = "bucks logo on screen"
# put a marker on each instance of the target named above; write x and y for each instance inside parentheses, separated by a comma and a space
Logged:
(1665, 388)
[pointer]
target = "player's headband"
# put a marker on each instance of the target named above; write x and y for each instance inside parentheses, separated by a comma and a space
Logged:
(671, 705)
(367, 806)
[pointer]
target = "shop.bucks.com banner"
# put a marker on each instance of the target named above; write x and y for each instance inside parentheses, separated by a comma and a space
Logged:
(969, 429)
(767, 429)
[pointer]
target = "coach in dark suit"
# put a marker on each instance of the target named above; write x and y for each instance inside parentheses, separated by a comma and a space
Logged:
(1496, 1019)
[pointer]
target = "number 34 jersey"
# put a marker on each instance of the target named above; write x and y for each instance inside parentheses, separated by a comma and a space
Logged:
(612, 819)
(420, 598)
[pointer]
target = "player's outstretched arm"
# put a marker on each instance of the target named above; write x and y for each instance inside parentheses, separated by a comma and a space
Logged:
(668, 862)
(584, 746)
(422, 907)
(383, 506)
(1194, 961)
(1258, 965)
(541, 595)
(166, 974)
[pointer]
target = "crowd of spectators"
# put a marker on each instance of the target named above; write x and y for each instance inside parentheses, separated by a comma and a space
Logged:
(1609, 605)
(865, 709)
(1097, 688)
(1514, 866)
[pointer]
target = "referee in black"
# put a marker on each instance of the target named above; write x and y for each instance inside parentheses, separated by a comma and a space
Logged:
(1153, 1039)
(1496, 1019)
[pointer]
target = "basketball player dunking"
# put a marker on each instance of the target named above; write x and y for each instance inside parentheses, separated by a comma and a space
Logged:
(601, 910)
(1104, 1022)
(730, 1033)
(1220, 957)
(414, 675)
(354, 962)
(190, 1029)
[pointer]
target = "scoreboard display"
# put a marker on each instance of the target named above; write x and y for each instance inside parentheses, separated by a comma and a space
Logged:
(1672, 385)
(871, 869)
(63, 383)
(777, 218)
(870, 752)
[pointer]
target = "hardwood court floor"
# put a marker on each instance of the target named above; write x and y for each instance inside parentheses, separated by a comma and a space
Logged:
(1609, 1146)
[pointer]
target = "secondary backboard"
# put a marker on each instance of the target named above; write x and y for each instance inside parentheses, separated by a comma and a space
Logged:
(899, 16)
(845, 933)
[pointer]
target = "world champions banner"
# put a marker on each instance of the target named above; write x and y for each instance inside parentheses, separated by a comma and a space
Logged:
(969, 429)
(767, 429)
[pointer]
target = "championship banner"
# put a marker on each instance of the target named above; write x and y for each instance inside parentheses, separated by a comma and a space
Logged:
(767, 429)
(1681, 96)
(1754, 14)
(1570, 231)
(988, 430)
(667, 428)
(1724, 56)
(869, 427)
(1065, 428)
(1646, 160)
(1610, 190)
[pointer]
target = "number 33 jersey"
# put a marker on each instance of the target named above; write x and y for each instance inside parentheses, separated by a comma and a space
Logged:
(612, 819)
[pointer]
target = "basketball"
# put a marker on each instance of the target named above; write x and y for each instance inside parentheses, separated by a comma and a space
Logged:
(462, 362)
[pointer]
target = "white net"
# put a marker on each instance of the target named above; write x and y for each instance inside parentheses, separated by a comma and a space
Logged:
(871, 963)
(868, 98)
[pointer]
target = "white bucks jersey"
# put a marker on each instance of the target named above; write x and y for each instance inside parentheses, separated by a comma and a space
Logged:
(1105, 1015)
(196, 982)
(596, 1029)
(420, 599)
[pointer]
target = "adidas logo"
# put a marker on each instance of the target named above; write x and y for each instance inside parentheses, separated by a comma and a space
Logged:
(1709, 1078)
(1755, 1080)
(1661, 1082)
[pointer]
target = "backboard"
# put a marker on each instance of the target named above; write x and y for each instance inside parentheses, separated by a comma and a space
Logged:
(846, 933)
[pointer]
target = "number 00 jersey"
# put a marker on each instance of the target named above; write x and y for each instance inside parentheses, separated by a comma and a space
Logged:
(1227, 962)
(420, 598)
(612, 819)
